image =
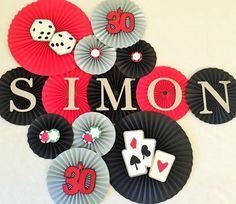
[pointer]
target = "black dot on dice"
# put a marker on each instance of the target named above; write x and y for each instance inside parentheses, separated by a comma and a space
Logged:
(41, 33)
(48, 33)
(62, 44)
(39, 37)
(68, 48)
(60, 35)
(57, 44)
(71, 38)
(40, 22)
(46, 38)
(50, 26)
(52, 45)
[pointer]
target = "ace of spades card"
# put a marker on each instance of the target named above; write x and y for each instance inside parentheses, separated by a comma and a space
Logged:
(139, 153)
(133, 162)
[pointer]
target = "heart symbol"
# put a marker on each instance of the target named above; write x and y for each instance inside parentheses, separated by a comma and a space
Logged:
(161, 166)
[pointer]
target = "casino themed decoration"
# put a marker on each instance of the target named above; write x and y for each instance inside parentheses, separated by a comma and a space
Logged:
(113, 94)
(77, 176)
(170, 139)
(49, 135)
(93, 57)
(20, 96)
(100, 106)
(163, 90)
(118, 23)
(66, 94)
(94, 131)
(137, 60)
(211, 95)
(36, 56)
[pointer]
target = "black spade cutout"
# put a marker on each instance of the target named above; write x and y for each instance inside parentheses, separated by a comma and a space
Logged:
(170, 138)
(6, 95)
(48, 122)
(194, 95)
(116, 80)
(136, 69)
(135, 161)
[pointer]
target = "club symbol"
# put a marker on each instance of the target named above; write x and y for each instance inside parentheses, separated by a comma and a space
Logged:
(135, 161)
(145, 151)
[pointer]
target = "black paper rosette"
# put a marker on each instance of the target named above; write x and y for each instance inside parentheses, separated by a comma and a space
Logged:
(116, 80)
(217, 113)
(50, 122)
(137, 60)
(30, 84)
(170, 138)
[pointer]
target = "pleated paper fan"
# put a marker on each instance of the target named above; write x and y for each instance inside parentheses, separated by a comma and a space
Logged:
(137, 60)
(31, 84)
(103, 129)
(55, 94)
(170, 138)
(93, 57)
(163, 97)
(89, 161)
(116, 80)
(38, 57)
(50, 149)
(118, 23)
(214, 77)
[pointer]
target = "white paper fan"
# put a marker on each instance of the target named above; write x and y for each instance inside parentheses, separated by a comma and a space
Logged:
(121, 39)
(93, 57)
(71, 158)
(83, 124)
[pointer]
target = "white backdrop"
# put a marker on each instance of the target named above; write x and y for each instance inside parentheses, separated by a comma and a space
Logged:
(187, 35)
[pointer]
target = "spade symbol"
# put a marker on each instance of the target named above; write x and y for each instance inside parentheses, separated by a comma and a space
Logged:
(145, 151)
(134, 161)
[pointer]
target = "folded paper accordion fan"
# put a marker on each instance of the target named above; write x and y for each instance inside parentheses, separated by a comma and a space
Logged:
(90, 162)
(22, 90)
(55, 95)
(164, 91)
(110, 20)
(93, 57)
(137, 60)
(94, 131)
(170, 138)
(38, 57)
(115, 80)
(225, 86)
(46, 148)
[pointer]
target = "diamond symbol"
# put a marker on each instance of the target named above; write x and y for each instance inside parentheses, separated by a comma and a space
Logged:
(133, 143)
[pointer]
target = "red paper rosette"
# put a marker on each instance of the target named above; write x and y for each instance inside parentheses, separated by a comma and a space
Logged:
(38, 57)
(161, 95)
(55, 94)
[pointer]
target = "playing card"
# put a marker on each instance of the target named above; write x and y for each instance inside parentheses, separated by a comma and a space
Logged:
(161, 166)
(134, 163)
(133, 138)
(147, 148)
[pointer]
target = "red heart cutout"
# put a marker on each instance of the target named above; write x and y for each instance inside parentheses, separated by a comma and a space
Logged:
(161, 166)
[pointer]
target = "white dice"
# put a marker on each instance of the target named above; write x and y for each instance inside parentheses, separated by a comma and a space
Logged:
(62, 43)
(42, 30)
